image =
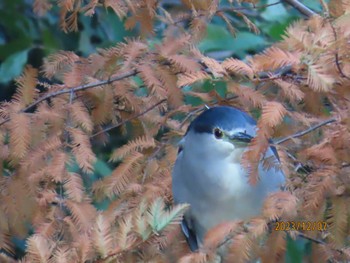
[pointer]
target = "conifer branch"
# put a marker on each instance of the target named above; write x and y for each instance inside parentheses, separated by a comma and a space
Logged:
(81, 87)
(337, 63)
(302, 133)
(345, 165)
(41, 140)
(312, 239)
(278, 73)
(117, 253)
(230, 237)
(233, 9)
(202, 108)
(301, 8)
(317, 241)
(129, 119)
(190, 114)
(75, 89)
(226, 9)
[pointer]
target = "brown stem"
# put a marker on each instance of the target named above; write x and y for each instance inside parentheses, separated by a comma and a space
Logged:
(75, 89)
(301, 8)
(129, 119)
(233, 9)
(302, 133)
(337, 63)
(226, 9)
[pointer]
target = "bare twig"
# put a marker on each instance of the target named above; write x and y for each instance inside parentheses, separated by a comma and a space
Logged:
(109, 257)
(118, 252)
(82, 87)
(129, 119)
(278, 73)
(71, 96)
(318, 241)
(205, 107)
(345, 165)
(233, 9)
(75, 89)
(315, 240)
(302, 133)
(301, 8)
(225, 9)
(337, 63)
(190, 114)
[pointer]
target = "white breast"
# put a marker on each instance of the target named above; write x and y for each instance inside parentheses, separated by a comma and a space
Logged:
(217, 187)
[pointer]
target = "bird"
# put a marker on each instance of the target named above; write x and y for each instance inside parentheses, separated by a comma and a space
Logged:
(208, 174)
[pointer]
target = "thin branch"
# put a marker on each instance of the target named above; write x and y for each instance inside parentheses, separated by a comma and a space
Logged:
(129, 119)
(190, 114)
(118, 252)
(71, 96)
(318, 241)
(75, 89)
(337, 63)
(233, 9)
(202, 108)
(302, 133)
(230, 237)
(262, 75)
(315, 240)
(345, 165)
(301, 8)
(82, 87)
(226, 9)
(109, 257)
(276, 74)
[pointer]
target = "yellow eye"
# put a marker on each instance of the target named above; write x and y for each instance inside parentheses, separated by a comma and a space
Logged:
(218, 133)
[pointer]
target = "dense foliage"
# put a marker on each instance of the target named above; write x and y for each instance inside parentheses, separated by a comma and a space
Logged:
(61, 202)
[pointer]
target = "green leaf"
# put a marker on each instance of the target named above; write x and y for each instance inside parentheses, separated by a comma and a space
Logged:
(13, 66)
(50, 41)
(275, 13)
(112, 27)
(314, 5)
(159, 218)
(219, 86)
(277, 31)
(101, 168)
(218, 38)
(297, 250)
(142, 226)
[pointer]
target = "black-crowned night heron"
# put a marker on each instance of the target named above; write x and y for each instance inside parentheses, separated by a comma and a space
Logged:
(209, 176)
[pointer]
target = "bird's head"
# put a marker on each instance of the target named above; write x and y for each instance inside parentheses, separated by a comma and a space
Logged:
(219, 132)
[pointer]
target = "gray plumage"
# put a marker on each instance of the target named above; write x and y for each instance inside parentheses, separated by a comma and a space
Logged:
(209, 176)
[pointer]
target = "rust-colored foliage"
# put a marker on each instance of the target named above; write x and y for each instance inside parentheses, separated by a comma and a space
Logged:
(44, 134)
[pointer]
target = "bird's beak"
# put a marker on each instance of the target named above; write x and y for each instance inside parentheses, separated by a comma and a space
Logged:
(240, 139)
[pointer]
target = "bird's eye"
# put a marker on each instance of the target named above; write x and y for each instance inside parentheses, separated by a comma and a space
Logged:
(218, 133)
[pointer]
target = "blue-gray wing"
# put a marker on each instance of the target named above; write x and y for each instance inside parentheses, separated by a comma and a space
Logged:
(274, 150)
(190, 235)
(278, 178)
